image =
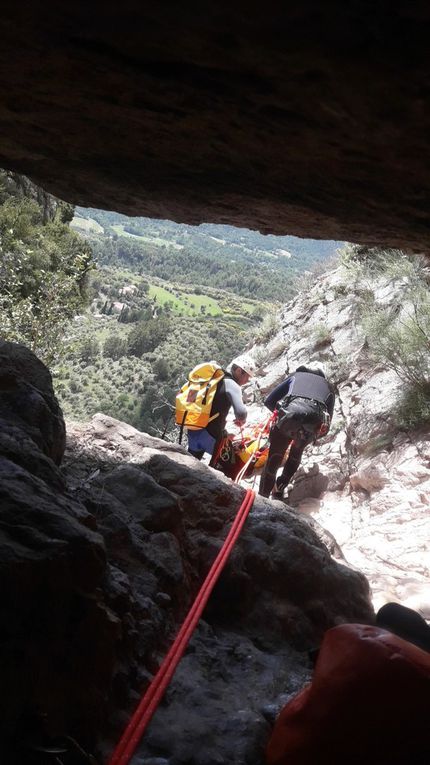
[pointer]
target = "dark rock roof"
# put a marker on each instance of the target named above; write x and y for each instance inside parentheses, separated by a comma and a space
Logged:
(307, 118)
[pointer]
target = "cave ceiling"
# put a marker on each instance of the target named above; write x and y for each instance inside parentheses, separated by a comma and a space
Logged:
(310, 119)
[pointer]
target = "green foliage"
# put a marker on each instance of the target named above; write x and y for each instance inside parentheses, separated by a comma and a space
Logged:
(367, 263)
(338, 368)
(243, 262)
(321, 336)
(401, 338)
(160, 369)
(397, 332)
(198, 297)
(115, 347)
(150, 381)
(413, 408)
(147, 335)
(43, 270)
(89, 349)
(267, 328)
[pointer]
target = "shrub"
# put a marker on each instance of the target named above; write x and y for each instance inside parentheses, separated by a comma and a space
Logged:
(338, 368)
(160, 369)
(115, 347)
(147, 335)
(260, 356)
(400, 338)
(321, 336)
(89, 349)
(268, 328)
(413, 409)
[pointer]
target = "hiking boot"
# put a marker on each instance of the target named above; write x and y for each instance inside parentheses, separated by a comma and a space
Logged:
(278, 491)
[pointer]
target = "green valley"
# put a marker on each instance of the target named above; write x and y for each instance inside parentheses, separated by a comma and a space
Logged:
(122, 308)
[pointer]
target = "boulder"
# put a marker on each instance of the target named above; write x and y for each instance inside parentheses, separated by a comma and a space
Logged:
(164, 517)
(309, 120)
(27, 399)
(58, 634)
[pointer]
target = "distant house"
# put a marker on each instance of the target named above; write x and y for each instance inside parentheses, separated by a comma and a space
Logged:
(129, 289)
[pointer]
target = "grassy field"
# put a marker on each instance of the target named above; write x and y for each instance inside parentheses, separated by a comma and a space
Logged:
(182, 299)
(119, 229)
(188, 303)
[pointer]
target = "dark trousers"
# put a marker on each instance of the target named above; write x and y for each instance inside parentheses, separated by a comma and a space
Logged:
(278, 446)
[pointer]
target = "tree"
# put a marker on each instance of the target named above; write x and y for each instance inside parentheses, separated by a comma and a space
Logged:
(147, 335)
(160, 368)
(89, 349)
(44, 270)
(115, 347)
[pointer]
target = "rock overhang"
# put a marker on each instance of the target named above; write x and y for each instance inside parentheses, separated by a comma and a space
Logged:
(310, 120)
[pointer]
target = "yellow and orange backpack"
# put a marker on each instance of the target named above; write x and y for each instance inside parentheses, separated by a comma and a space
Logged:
(194, 400)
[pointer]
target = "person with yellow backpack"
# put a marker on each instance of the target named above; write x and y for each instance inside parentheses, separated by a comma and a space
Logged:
(205, 399)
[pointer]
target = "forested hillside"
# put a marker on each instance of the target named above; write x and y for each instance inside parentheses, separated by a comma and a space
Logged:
(164, 297)
(136, 344)
(122, 308)
(242, 261)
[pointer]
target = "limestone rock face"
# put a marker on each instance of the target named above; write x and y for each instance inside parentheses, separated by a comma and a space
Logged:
(367, 482)
(309, 119)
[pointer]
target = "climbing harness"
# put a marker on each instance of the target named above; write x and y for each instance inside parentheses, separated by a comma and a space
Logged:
(152, 697)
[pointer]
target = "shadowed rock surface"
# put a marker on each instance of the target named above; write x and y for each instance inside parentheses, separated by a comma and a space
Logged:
(309, 119)
(99, 564)
(27, 401)
(277, 596)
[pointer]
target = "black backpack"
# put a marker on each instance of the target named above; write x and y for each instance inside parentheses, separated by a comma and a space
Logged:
(302, 417)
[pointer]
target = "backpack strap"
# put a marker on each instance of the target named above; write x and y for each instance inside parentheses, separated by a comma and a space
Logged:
(181, 428)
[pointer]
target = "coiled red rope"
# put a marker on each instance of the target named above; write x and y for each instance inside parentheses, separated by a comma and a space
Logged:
(153, 695)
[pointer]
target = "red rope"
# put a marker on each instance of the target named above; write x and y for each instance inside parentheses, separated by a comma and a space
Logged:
(152, 697)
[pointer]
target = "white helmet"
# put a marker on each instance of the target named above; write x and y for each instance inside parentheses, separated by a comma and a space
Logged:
(246, 363)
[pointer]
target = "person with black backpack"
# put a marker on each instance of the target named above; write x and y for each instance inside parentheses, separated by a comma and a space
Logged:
(304, 403)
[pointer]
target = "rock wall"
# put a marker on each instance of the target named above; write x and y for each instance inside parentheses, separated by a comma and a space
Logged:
(368, 481)
(308, 119)
(57, 633)
(100, 561)
(163, 516)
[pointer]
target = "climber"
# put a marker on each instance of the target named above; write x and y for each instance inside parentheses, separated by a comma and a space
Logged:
(228, 393)
(304, 404)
